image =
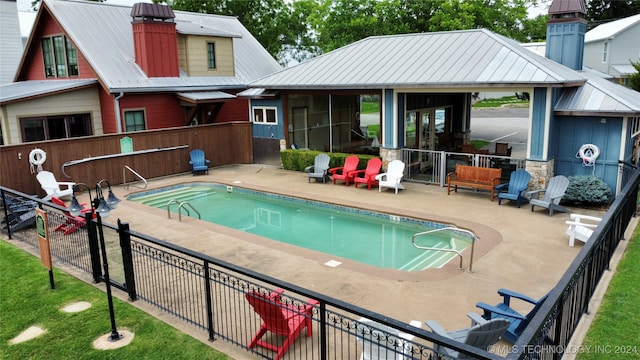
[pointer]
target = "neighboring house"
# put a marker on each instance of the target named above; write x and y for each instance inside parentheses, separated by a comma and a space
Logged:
(92, 68)
(10, 41)
(610, 48)
(417, 77)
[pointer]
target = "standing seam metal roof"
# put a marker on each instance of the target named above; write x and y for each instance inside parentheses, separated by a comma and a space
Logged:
(613, 28)
(103, 34)
(441, 59)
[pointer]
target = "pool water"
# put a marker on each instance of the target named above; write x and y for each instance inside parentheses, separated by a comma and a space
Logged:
(373, 238)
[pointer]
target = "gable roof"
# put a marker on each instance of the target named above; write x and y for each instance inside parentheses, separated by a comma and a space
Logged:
(598, 96)
(611, 29)
(466, 58)
(103, 34)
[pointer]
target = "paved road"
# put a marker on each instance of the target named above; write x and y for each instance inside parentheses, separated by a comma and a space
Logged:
(502, 125)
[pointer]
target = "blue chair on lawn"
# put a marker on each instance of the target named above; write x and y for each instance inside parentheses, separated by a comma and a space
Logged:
(198, 162)
(518, 184)
(504, 311)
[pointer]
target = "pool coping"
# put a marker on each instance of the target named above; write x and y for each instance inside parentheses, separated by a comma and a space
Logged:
(487, 237)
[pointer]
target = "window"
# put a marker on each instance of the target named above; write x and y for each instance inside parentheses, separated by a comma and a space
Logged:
(265, 115)
(59, 56)
(134, 120)
(605, 51)
(55, 127)
(211, 55)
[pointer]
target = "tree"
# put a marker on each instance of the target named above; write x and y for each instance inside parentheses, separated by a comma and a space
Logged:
(634, 79)
(535, 29)
(602, 11)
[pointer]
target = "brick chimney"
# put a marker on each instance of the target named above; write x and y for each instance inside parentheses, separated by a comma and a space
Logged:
(566, 27)
(155, 39)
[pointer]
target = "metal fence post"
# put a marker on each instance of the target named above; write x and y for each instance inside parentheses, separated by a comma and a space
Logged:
(127, 260)
(94, 247)
(207, 294)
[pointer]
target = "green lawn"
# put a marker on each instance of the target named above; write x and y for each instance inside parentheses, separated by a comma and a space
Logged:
(507, 100)
(26, 299)
(615, 332)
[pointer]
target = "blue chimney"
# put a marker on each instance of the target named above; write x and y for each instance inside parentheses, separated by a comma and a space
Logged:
(565, 32)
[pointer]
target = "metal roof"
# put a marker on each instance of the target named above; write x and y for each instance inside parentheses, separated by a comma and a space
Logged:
(610, 29)
(258, 93)
(598, 96)
(29, 89)
(103, 34)
(205, 96)
(466, 58)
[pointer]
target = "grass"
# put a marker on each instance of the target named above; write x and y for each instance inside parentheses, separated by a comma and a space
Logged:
(614, 331)
(370, 107)
(26, 299)
(25, 295)
(479, 144)
(511, 101)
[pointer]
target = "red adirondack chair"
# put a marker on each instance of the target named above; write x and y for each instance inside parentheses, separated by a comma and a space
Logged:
(280, 319)
(71, 223)
(343, 172)
(368, 175)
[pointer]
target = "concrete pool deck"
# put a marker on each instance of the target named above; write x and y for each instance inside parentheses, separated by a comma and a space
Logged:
(517, 249)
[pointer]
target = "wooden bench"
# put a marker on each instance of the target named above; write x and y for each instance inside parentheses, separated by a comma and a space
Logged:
(473, 177)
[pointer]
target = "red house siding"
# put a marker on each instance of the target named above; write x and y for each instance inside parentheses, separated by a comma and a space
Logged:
(107, 108)
(156, 48)
(33, 68)
(234, 110)
(161, 110)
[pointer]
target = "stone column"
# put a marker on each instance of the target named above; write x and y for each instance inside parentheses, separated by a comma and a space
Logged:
(541, 172)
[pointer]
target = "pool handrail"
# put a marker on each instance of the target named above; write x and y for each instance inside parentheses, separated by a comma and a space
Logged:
(473, 242)
(181, 205)
(124, 178)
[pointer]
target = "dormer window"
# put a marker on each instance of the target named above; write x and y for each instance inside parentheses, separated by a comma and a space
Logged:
(60, 57)
(211, 55)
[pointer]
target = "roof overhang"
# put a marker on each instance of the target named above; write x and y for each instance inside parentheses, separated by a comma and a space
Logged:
(259, 93)
(205, 97)
(439, 87)
(32, 89)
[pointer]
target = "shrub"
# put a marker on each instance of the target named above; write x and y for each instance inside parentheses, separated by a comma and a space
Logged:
(297, 160)
(588, 189)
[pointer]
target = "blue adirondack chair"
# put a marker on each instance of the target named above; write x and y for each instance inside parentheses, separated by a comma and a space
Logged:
(198, 162)
(514, 190)
(503, 311)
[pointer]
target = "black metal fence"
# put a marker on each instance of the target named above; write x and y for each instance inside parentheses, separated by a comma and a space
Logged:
(211, 294)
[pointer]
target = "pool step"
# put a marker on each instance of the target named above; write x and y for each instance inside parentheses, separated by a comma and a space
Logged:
(430, 259)
(179, 195)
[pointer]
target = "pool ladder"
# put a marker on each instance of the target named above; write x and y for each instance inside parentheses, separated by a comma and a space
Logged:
(184, 204)
(473, 242)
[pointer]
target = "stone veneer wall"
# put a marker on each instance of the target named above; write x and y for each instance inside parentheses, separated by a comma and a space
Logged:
(388, 155)
(541, 172)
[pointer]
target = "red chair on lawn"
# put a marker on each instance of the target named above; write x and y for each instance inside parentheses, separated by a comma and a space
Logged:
(343, 172)
(72, 223)
(368, 175)
(280, 319)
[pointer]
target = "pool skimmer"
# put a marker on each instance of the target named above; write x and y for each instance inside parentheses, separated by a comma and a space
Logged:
(333, 263)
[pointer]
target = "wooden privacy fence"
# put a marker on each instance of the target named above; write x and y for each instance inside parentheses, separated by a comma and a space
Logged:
(155, 153)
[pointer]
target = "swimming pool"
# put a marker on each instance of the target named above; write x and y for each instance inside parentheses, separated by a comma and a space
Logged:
(369, 237)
